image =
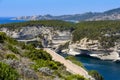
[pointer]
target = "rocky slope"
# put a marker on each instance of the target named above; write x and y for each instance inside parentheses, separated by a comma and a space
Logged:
(93, 48)
(113, 14)
(27, 63)
(47, 35)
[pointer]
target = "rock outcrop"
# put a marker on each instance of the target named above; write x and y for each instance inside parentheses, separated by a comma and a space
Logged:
(56, 40)
(22, 69)
(93, 48)
(46, 71)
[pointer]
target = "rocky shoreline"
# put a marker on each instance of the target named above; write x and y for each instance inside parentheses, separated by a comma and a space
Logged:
(61, 41)
(101, 55)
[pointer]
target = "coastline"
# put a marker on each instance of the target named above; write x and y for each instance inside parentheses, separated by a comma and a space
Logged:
(71, 67)
(97, 54)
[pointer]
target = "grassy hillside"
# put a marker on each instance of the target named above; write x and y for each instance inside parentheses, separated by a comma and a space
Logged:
(20, 61)
(57, 24)
(107, 32)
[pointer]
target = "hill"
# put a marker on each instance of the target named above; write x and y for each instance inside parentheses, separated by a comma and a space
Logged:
(113, 14)
(20, 61)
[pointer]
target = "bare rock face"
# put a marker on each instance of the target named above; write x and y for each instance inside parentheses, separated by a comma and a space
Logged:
(22, 69)
(57, 78)
(26, 32)
(29, 73)
(13, 63)
(46, 71)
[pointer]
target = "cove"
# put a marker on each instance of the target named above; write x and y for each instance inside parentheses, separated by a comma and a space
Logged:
(108, 69)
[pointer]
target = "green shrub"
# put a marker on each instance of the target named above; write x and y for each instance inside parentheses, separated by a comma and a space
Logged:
(22, 45)
(13, 49)
(7, 73)
(2, 37)
(39, 63)
(38, 54)
(45, 63)
(75, 77)
(53, 65)
(35, 44)
(11, 40)
(74, 60)
(96, 75)
(56, 24)
(11, 56)
(29, 47)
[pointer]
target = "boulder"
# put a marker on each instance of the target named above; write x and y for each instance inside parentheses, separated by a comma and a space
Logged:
(12, 63)
(46, 71)
(23, 69)
(29, 73)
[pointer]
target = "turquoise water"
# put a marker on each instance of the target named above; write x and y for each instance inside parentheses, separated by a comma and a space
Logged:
(6, 20)
(108, 69)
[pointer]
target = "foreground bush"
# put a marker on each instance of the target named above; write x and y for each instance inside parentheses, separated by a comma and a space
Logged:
(11, 56)
(75, 77)
(46, 63)
(13, 49)
(38, 54)
(96, 75)
(2, 37)
(7, 73)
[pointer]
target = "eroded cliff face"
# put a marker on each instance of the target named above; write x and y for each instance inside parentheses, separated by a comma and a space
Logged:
(27, 32)
(93, 48)
(86, 43)
(57, 40)
(47, 35)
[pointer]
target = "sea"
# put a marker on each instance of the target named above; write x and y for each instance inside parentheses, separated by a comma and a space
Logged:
(108, 69)
(9, 20)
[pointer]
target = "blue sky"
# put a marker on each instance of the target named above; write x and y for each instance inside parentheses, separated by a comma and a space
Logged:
(54, 7)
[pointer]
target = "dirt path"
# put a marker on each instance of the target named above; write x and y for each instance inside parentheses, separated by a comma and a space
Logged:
(71, 67)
